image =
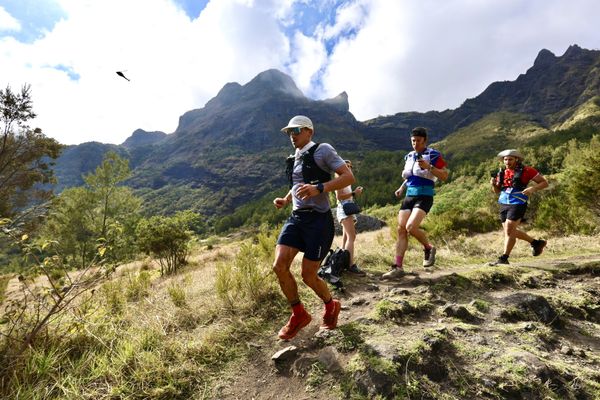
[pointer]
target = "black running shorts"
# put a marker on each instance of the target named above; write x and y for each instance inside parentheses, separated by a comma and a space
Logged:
(423, 202)
(310, 232)
(514, 212)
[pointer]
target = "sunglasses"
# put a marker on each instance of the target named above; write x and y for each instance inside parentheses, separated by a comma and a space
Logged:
(293, 131)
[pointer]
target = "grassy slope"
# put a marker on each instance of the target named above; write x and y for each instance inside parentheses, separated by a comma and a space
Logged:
(182, 337)
(175, 337)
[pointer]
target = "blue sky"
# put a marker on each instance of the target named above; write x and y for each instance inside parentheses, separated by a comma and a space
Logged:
(388, 55)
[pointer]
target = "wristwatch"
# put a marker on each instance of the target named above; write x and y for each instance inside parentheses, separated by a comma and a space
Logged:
(320, 187)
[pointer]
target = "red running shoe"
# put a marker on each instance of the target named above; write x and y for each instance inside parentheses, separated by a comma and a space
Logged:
(330, 319)
(294, 325)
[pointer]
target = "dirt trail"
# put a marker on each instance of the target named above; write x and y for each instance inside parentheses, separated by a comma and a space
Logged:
(260, 378)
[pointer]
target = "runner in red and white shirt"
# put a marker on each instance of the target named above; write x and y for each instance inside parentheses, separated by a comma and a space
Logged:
(511, 184)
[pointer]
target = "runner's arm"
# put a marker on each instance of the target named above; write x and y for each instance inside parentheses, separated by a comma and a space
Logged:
(541, 183)
(281, 202)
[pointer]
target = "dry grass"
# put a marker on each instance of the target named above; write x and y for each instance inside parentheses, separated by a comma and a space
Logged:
(176, 328)
(375, 250)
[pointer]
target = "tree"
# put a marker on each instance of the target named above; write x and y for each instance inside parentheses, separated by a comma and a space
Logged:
(102, 209)
(25, 154)
(167, 238)
(582, 175)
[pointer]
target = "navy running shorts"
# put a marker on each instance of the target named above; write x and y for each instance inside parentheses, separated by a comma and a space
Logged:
(514, 212)
(310, 232)
(423, 202)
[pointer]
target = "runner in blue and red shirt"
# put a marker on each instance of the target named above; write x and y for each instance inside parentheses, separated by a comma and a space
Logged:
(511, 183)
(422, 168)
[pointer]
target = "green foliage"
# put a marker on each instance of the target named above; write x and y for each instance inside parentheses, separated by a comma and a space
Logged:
(25, 154)
(380, 172)
(254, 213)
(41, 306)
(177, 295)
(465, 206)
(114, 297)
(166, 238)
(572, 206)
(138, 286)
(248, 282)
(101, 209)
(582, 174)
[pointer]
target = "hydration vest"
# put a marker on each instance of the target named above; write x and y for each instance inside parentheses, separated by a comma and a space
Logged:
(311, 173)
(517, 183)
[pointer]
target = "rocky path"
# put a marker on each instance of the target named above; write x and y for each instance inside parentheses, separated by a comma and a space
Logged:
(531, 330)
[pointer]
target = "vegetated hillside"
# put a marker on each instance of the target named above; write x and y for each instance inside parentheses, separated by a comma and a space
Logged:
(79, 160)
(230, 152)
(550, 92)
(460, 330)
(491, 134)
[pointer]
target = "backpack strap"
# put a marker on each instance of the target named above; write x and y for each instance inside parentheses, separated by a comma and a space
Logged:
(311, 172)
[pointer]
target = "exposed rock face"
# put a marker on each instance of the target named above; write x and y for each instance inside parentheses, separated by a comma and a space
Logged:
(142, 138)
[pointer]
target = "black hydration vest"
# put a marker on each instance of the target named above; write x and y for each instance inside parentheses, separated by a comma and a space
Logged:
(516, 182)
(311, 173)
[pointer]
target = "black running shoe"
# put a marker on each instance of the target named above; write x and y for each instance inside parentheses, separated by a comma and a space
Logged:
(537, 247)
(354, 269)
(500, 261)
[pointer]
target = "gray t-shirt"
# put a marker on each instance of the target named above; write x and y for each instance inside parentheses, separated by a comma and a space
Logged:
(328, 160)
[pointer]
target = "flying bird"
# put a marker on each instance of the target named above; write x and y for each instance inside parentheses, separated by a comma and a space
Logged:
(121, 74)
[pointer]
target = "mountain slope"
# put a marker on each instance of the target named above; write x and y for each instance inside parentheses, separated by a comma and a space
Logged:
(550, 91)
(230, 152)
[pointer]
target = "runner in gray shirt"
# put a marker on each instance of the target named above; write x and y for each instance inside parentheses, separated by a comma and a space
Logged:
(310, 227)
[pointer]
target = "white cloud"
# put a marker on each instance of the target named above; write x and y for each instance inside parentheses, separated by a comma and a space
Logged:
(174, 64)
(431, 55)
(390, 56)
(8, 22)
(309, 56)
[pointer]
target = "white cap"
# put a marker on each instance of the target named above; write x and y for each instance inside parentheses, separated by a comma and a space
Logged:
(510, 153)
(299, 121)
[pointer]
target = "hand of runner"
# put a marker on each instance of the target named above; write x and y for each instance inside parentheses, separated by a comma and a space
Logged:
(280, 202)
(306, 191)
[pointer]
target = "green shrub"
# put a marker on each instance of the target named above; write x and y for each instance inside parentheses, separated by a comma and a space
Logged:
(177, 295)
(167, 238)
(114, 297)
(248, 282)
(572, 206)
(138, 286)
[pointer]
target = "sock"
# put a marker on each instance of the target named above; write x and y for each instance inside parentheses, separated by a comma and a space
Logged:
(329, 305)
(297, 308)
(399, 260)
(428, 246)
(504, 256)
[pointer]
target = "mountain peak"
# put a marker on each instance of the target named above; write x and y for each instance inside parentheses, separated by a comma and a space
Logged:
(544, 57)
(140, 137)
(274, 80)
(573, 51)
(340, 102)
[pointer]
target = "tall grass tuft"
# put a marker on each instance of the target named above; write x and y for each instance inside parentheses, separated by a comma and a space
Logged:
(138, 286)
(247, 283)
(177, 295)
